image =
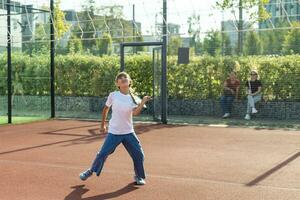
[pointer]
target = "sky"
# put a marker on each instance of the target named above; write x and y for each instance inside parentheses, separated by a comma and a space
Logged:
(147, 10)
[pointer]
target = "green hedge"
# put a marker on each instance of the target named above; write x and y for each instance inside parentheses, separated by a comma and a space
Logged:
(85, 75)
(30, 74)
(203, 77)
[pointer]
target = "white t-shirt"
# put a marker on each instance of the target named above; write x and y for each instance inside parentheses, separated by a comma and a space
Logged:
(122, 106)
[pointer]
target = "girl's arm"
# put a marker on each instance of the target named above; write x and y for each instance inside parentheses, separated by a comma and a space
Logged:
(237, 93)
(225, 86)
(139, 108)
(257, 92)
(103, 121)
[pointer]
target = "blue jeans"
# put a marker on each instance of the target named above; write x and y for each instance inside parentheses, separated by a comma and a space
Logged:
(131, 144)
(226, 103)
(252, 100)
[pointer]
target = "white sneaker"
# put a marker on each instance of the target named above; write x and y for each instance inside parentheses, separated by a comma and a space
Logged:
(86, 174)
(226, 115)
(247, 117)
(254, 110)
(139, 181)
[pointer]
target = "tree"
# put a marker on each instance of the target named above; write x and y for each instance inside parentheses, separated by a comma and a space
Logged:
(226, 45)
(98, 21)
(273, 39)
(140, 38)
(42, 32)
(86, 26)
(212, 43)
(248, 5)
(113, 22)
(291, 43)
(104, 44)
(194, 32)
(41, 43)
(268, 42)
(60, 24)
(253, 45)
(74, 44)
(174, 44)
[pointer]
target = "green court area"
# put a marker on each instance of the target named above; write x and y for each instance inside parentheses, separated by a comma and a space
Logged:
(22, 119)
(172, 119)
(235, 122)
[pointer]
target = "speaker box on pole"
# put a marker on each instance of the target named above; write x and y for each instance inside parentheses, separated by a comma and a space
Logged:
(183, 55)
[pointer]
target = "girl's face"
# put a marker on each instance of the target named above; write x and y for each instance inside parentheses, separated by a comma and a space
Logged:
(123, 83)
(253, 75)
(232, 75)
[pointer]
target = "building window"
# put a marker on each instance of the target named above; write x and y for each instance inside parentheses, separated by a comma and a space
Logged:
(15, 23)
(1, 4)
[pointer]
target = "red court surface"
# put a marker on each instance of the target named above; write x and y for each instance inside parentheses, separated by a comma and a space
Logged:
(42, 160)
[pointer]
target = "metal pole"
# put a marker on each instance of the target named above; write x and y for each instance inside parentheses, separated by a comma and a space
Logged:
(133, 26)
(9, 67)
(153, 82)
(52, 56)
(240, 28)
(122, 63)
(223, 34)
(164, 66)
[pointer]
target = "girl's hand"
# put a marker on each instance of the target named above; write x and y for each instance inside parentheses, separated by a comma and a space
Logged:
(146, 99)
(103, 130)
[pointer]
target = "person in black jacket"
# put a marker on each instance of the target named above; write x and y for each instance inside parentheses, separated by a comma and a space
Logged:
(254, 87)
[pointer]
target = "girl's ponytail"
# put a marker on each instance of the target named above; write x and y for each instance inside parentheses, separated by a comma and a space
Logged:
(132, 97)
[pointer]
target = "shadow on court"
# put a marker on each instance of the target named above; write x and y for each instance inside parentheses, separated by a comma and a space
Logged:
(92, 136)
(273, 170)
(79, 191)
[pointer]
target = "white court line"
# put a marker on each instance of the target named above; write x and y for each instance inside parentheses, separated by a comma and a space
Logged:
(172, 178)
(219, 125)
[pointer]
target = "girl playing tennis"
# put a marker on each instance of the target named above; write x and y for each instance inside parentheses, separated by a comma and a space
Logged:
(120, 129)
